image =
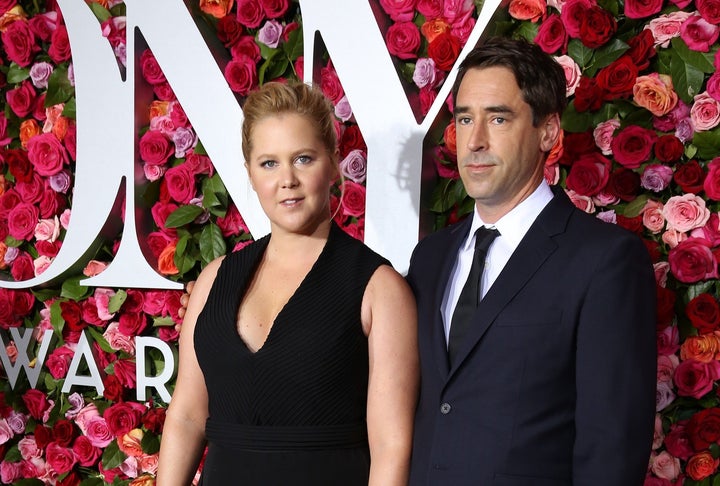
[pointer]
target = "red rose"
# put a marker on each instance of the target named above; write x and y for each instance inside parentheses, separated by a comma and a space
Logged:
(60, 459)
(22, 220)
(695, 379)
(154, 419)
(330, 83)
(125, 371)
(274, 8)
(47, 154)
(59, 361)
(709, 10)
(642, 49)
(7, 318)
(70, 139)
(597, 27)
(690, 177)
(711, 184)
(122, 417)
(59, 50)
(692, 260)
(19, 43)
(51, 203)
(160, 211)
(588, 95)
(624, 184)
(71, 311)
(403, 40)
(351, 139)
(22, 267)
(232, 223)
(246, 45)
(48, 249)
(36, 403)
(164, 91)
(704, 313)
(427, 98)
(575, 145)
(665, 306)
(353, 199)
(32, 190)
(241, 74)
(669, 148)
(180, 183)
(134, 301)
(172, 305)
(444, 50)
(677, 441)
(633, 145)
(22, 99)
(639, 9)
(63, 432)
(132, 323)
(617, 79)
(113, 389)
(72, 479)
(250, 13)
(155, 148)
(18, 164)
(90, 313)
(552, 36)
(589, 174)
(633, 224)
(151, 70)
(229, 30)
(42, 26)
(86, 453)
(43, 436)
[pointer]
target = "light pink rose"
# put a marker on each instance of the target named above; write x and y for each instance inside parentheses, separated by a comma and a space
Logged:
(664, 396)
(41, 263)
(98, 432)
(705, 112)
(455, 9)
(28, 447)
(426, 74)
(129, 467)
(666, 367)
(661, 270)
(572, 73)
(270, 33)
(583, 203)
(668, 341)
(353, 166)
(6, 433)
(185, 140)
(65, 218)
(666, 27)
(149, 463)
(84, 415)
(10, 472)
(603, 134)
(47, 229)
(343, 110)
(607, 216)
(604, 199)
(40, 73)
(698, 33)
(153, 172)
(118, 340)
(666, 466)
(659, 434)
(683, 213)
(94, 267)
(673, 238)
(656, 177)
(653, 218)
(102, 300)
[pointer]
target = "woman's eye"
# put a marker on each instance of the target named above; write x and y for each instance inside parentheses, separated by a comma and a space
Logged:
(303, 159)
(268, 164)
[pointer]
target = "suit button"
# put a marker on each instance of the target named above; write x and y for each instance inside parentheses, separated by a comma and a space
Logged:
(445, 408)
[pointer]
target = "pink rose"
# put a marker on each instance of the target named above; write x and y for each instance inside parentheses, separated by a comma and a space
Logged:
(19, 43)
(695, 379)
(22, 220)
(656, 177)
(330, 83)
(666, 366)
(270, 33)
(47, 230)
(86, 453)
(31, 191)
(399, 10)
(353, 166)
(713, 85)
(633, 145)
(453, 10)
(180, 183)
(532, 10)
(117, 340)
(98, 432)
(241, 74)
(10, 472)
(603, 134)
(155, 148)
(28, 447)
(59, 50)
(94, 267)
(711, 184)
(36, 402)
(683, 213)
(668, 341)
(22, 99)
(232, 223)
(6, 433)
(672, 238)
(692, 260)
(709, 10)
(705, 112)
(572, 15)
(551, 36)
(698, 34)
(430, 9)
(664, 395)
(666, 27)
(250, 13)
(59, 361)
(150, 68)
(274, 8)
(353, 199)
(653, 218)
(403, 40)
(666, 466)
(639, 9)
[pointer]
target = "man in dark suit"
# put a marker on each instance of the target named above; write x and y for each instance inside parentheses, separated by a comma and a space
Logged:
(549, 379)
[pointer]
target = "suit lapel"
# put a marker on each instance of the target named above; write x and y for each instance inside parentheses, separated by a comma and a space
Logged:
(528, 257)
(449, 251)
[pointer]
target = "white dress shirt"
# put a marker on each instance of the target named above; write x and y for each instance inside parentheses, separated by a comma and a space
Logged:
(512, 228)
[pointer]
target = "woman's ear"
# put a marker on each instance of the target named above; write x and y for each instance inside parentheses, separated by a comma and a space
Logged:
(247, 168)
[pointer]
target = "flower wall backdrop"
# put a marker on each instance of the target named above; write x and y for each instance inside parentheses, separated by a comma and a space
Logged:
(641, 149)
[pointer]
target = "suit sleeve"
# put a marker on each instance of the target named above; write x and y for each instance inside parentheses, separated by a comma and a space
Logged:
(616, 369)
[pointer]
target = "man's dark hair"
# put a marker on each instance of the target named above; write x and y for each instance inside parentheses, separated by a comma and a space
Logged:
(540, 78)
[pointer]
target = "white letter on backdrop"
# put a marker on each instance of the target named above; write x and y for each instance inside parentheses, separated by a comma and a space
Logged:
(157, 382)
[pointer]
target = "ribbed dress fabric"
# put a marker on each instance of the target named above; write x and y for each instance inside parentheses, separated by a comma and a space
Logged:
(293, 412)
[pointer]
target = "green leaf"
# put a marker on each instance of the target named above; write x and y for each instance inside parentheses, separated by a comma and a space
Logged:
(438, 200)
(100, 12)
(28, 482)
(17, 74)
(697, 289)
(56, 319)
(13, 454)
(44, 294)
(100, 339)
(527, 31)
(635, 206)
(609, 53)
(574, 121)
(212, 243)
(267, 52)
(70, 109)
(183, 215)
(716, 479)
(703, 61)
(59, 88)
(293, 48)
(166, 321)
(687, 79)
(707, 143)
(72, 289)
(580, 54)
(116, 301)
(112, 456)
(272, 68)
(185, 258)
(150, 443)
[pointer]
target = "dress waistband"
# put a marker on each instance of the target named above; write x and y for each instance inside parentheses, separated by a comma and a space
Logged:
(283, 438)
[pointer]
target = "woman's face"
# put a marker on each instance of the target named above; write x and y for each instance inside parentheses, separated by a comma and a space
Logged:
(291, 171)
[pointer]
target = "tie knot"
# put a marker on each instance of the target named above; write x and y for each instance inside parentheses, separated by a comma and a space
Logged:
(484, 237)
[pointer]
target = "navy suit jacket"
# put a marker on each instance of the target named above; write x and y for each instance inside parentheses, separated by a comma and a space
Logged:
(555, 383)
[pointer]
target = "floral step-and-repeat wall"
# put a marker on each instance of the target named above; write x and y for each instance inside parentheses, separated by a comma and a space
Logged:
(640, 150)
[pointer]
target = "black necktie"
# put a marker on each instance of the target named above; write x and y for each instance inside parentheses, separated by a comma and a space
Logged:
(470, 295)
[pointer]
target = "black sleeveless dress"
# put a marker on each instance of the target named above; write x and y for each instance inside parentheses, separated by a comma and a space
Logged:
(292, 413)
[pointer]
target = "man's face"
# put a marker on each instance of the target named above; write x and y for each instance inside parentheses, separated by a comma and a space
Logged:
(500, 153)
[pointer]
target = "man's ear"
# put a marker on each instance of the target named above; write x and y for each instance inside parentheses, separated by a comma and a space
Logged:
(551, 132)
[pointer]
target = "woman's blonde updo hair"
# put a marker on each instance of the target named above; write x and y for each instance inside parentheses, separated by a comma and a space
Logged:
(275, 98)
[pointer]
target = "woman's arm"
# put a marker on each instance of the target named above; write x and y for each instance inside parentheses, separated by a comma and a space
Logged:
(183, 438)
(390, 321)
